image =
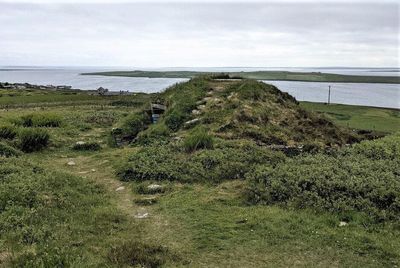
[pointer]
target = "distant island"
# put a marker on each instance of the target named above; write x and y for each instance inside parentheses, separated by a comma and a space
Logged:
(261, 75)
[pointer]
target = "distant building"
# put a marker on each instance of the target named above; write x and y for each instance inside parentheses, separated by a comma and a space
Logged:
(102, 91)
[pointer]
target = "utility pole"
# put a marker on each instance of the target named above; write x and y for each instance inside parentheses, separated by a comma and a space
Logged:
(329, 95)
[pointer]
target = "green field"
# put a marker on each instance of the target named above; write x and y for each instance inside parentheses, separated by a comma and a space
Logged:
(63, 206)
(358, 117)
(262, 75)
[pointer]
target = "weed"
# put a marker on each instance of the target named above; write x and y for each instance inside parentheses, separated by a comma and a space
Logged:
(33, 139)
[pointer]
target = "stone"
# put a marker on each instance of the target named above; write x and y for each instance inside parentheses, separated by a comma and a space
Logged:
(93, 170)
(193, 121)
(342, 223)
(154, 187)
(80, 143)
(196, 112)
(71, 163)
(121, 188)
(141, 215)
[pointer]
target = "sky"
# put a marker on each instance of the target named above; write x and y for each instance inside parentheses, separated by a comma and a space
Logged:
(199, 34)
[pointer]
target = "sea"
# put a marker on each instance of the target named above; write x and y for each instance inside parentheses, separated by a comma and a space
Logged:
(366, 94)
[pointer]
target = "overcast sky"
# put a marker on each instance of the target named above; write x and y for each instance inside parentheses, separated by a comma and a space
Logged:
(229, 33)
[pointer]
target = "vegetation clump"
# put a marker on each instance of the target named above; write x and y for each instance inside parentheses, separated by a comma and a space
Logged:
(7, 132)
(130, 127)
(86, 146)
(199, 138)
(36, 208)
(8, 151)
(169, 163)
(363, 178)
(135, 253)
(39, 120)
(33, 139)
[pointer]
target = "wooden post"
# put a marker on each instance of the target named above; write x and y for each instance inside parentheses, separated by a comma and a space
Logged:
(329, 95)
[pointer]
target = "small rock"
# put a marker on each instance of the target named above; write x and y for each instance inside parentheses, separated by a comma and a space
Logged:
(71, 163)
(193, 121)
(120, 188)
(201, 107)
(80, 143)
(342, 223)
(93, 170)
(142, 215)
(154, 187)
(82, 172)
(196, 112)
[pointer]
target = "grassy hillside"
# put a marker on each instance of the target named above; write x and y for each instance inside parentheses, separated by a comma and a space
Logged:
(262, 75)
(106, 188)
(358, 117)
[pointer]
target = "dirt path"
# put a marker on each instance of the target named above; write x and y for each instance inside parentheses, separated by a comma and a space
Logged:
(102, 172)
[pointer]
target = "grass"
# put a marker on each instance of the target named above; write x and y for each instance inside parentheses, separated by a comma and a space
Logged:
(214, 228)
(262, 75)
(24, 98)
(204, 221)
(358, 117)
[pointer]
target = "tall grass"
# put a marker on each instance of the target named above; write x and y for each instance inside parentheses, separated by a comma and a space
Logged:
(199, 138)
(7, 132)
(33, 139)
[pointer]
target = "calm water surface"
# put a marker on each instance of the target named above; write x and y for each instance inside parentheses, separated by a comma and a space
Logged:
(380, 95)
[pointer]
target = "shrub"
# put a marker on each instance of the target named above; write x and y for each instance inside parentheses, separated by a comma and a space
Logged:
(136, 253)
(135, 123)
(175, 119)
(104, 118)
(156, 133)
(359, 178)
(8, 132)
(36, 206)
(8, 151)
(34, 139)
(86, 146)
(38, 120)
(151, 163)
(46, 120)
(198, 139)
(224, 163)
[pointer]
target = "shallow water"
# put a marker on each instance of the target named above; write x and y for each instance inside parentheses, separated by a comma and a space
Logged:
(380, 95)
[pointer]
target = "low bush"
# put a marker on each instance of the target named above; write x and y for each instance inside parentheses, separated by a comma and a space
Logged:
(135, 123)
(364, 178)
(39, 120)
(152, 163)
(101, 118)
(155, 134)
(175, 119)
(8, 151)
(135, 253)
(33, 139)
(226, 162)
(8, 132)
(36, 208)
(198, 139)
(86, 146)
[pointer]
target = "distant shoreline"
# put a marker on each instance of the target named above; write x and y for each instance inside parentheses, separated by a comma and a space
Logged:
(261, 75)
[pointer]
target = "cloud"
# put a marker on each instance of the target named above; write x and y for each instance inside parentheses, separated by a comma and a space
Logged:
(198, 34)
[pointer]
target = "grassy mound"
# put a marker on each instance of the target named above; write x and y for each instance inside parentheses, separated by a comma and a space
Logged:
(173, 163)
(248, 109)
(43, 217)
(363, 178)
